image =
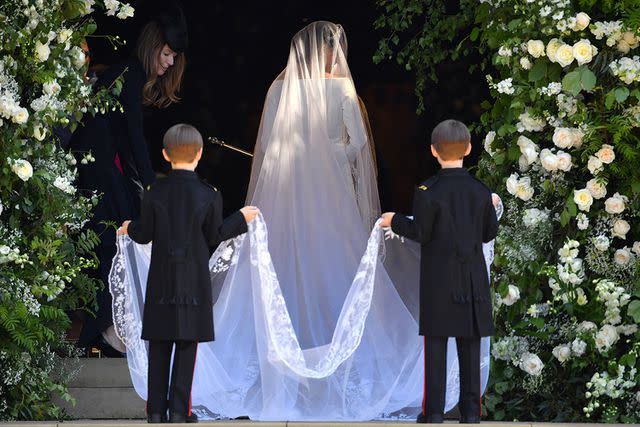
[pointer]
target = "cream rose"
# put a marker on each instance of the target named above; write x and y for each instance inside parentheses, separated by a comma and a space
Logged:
(583, 199)
(513, 295)
(552, 49)
(525, 63)
(535, 48)
(606, 337)
(631, 39)
(564, 55)
(582, 21)
(531, 364)
(564, 161)
(606, 154)
(21, 115)
(563, 137)
(528, 149)
(594, 165)
(548, 160)
(622, 256)
(42, 51)
(23, 169)
(620, 228)
(582, 51)
(615, 204)
(597, 189)
(562, 353)
(623, 46)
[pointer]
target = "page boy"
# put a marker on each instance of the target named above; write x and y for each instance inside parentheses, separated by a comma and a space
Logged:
(453, 215)
(183, 218)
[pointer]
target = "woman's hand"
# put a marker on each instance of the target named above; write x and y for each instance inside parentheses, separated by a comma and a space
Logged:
(387, 217)
(124, 229)
(249, 212)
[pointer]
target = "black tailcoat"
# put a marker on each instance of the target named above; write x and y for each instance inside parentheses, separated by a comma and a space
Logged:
(183, 217)
(453, 215)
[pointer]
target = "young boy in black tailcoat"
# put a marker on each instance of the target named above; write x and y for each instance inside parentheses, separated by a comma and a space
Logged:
(453, 214)
(183, 218)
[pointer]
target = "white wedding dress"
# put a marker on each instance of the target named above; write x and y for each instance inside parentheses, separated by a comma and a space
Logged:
(315, 318)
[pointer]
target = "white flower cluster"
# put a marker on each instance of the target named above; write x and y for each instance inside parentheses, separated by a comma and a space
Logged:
(626, 69)
(488, 140)
(10, 108)
(529, 123)
(564, 54)
(520, 187)
(612, 30)
(122, 11)
(570, 268)
(603, 384)
(538, 310)
(567, 105)
(614, 298)
(510, 349)
(505, 86)
(553, 88)
(534, 216)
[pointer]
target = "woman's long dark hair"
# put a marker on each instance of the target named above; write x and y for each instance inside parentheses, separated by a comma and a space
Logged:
(158, 91)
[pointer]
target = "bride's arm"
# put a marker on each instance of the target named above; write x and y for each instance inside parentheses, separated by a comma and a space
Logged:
(352, 118)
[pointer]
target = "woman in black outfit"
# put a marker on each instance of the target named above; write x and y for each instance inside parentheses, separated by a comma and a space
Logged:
(122, 167)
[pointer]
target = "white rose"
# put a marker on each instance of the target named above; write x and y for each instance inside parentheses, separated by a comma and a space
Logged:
(562, 353)
(42, 51)
(615, 204)
(620, 228)
(548, 160)
(578, 347)
(20, 116)
(525, 63)
(512, 183)
(564, 55)
(564, 161)
(594, 165)
(51, 87)
(23, 169)
(597, 189)
(583, 199)
(488, 140)
(631, 39)
(535, 48)
(606, 337)
(582, 51)
(606, 154)
(552, 49)
(563, 137)
(582, 21)
(622, 256)
(577, 135)
(636, 248)
(512, 296)
(586, 326)
(531, 364)
(601, 243)
(39, 133)
(528, 149)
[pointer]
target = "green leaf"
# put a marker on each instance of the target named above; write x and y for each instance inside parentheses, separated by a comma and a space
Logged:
(587, 79)
(571, 83)
(499, 158)
(621, 93)
(572, 208)
(474, 34)
(634, 310)
(538, 71)
(610, 99)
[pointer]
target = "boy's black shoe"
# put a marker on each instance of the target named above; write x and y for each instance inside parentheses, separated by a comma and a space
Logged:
(193, 418)
(156, 418)
(469, 419)
(430, 419)
(177, 418)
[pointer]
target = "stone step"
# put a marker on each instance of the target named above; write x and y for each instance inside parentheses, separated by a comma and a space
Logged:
(102, 373)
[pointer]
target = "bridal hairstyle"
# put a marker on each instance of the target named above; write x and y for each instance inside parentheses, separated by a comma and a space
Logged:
(451, 139)
(182, 143)
(170, 29)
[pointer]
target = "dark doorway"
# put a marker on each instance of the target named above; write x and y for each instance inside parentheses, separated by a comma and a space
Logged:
(238, 48)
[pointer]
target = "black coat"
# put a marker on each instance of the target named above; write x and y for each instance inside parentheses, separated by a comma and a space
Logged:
(183, 218)
(453, 215)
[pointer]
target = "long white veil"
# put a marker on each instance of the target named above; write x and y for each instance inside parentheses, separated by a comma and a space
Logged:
(309, 324)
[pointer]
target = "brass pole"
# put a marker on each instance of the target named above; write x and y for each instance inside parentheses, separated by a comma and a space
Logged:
(216, 141)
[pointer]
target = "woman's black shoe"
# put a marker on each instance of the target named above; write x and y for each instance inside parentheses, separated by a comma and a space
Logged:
(156, 418)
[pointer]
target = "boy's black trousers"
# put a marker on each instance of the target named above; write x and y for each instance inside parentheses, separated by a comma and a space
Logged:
(435, 373)
(179, 388)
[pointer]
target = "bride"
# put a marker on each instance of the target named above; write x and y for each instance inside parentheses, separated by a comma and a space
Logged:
(307, 327)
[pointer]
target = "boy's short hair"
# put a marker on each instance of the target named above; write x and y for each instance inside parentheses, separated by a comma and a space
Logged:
(451, 139)
(182, 143)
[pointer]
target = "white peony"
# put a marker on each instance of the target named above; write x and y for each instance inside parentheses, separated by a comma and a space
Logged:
(524, 190)
(582, 21)
(525, 63)
(578, 347)
(620, 228)
(528, 148)
(615, 204)
(22, 168)
(564, 55)
(42, 51)
(597, 189)
(564, 161)
(531, 364)
(606, 154)
(601, 243)
(594, 165)
(51, 87)
(583, 51)
(513, 295)
(562, 353)
(622, 256)
(548, 160)
(583, 199)
(535, 48)
(552, 49)
(512, 183)
(488, 140)
(606, 337)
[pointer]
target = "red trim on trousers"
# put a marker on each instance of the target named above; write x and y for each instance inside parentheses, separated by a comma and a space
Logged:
(192, 375)
(424, 389)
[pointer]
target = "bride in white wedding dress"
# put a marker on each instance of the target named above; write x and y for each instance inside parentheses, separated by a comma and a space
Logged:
(308, 323)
